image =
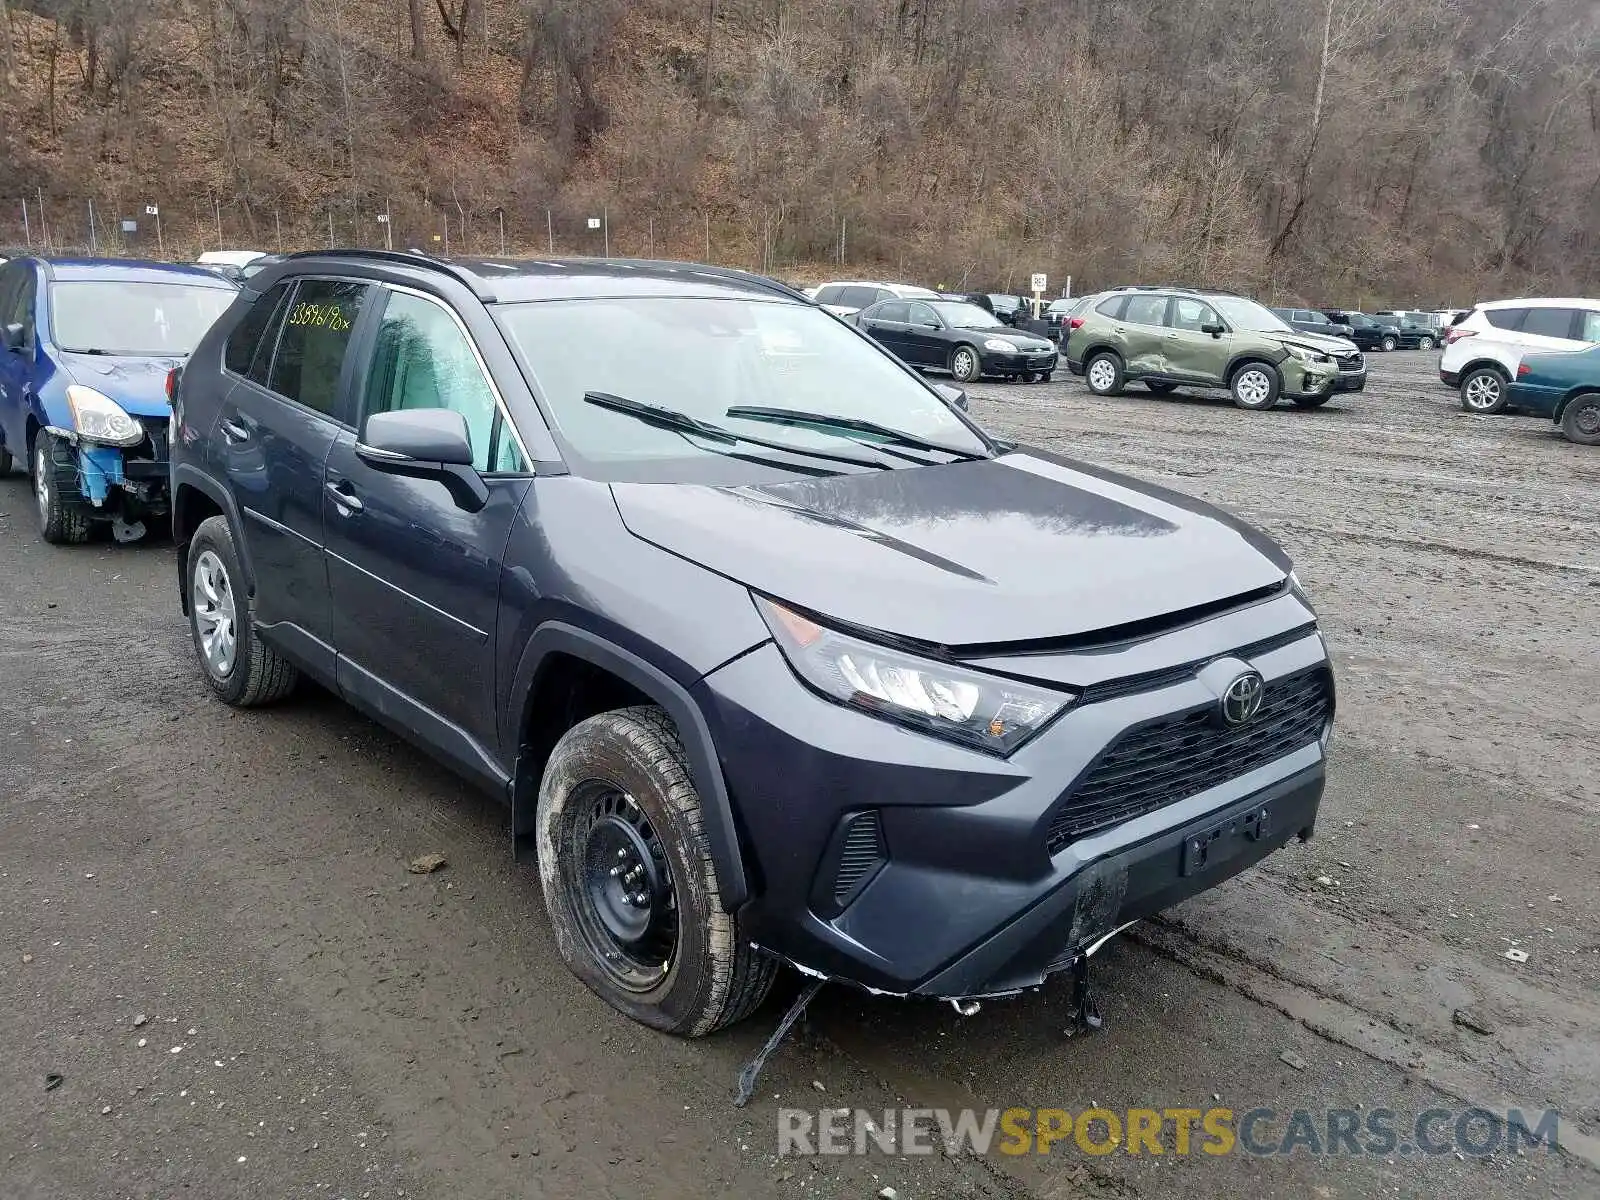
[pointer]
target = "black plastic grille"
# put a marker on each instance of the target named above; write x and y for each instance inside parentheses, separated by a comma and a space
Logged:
(1176, 757)
(862, 855)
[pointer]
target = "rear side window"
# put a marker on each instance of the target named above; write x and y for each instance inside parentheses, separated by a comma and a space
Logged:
(1147, 310)
(249, 344)
(1113, 307)
(317, 326)
(1550, 322)
(1506, 318)
(829, 294)
(858, 297)
(1589, 325)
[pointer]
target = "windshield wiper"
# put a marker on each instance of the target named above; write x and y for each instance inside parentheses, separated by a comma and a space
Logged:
(895, 437)
(681, 422)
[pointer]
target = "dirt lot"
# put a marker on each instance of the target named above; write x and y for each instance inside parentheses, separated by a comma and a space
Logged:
(316, 1021)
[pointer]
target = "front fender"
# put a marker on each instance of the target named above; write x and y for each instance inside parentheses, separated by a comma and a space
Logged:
(558, 637)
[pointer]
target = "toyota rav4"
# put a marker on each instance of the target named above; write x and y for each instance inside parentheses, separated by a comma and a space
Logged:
(775, 655)
(1167, 338)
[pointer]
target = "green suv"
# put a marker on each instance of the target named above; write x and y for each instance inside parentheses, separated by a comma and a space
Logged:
(1167, 338)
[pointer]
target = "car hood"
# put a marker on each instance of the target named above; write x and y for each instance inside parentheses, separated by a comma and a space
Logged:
(1021, 340)
(139, 385)
(1024, 547)
(1317, 342)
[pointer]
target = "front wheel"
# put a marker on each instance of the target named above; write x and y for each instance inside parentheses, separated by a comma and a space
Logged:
(1103, 374)
(1390, 344)
(1484, 391)
(1311, 401)
(1426, 343)
(1255, 386)
(57, 502)
(965, 365)
(629, 880)
(1580, 420)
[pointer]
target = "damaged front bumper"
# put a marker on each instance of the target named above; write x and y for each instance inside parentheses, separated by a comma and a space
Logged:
(126, 485)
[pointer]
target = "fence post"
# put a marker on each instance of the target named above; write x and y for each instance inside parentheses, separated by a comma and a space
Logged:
(94, 240)
(550, 230)
(708, 237)
(501, 213)
(216, 202)
(605, 228)
(27, 228)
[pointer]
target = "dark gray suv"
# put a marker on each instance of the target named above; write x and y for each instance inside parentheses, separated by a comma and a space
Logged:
(775, 655)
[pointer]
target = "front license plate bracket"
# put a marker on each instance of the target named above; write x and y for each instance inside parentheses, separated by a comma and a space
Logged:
(1218, 843)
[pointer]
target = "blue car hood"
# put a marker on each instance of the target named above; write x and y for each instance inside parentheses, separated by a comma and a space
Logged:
(139, 385)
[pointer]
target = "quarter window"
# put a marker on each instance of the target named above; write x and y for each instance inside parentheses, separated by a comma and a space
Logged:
(1506, 318)
(423, 360)
(249, 344)
(1589, 329)
(317, 324)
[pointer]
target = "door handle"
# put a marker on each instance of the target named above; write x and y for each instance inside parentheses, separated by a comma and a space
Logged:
(235, 432)
(347, 502)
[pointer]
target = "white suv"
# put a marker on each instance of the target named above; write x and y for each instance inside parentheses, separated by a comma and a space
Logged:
(1483, 349)
(847, 298)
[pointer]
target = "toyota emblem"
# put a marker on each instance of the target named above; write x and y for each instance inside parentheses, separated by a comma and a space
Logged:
(1242, 700)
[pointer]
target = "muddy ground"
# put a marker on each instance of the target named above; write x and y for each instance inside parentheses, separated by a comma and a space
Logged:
(317, 1021)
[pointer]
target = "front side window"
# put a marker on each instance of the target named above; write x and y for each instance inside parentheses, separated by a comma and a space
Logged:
(134, 319)
(317, 326)
(423, 360)
(1193, 315)
(700, 357)
(19, 309)
(892, 310)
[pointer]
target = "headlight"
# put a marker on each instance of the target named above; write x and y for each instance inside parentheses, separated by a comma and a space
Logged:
(1298, 590)
(1002, 347)
(1308, 356)
(943, 699)
(99, 418)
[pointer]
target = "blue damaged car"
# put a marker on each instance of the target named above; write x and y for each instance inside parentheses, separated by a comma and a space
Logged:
(86, 346)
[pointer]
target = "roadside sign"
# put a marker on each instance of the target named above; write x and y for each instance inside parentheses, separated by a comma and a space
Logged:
(130, 227)
(383, 218)
(594, 222)
(152, 210)
(1040, 282)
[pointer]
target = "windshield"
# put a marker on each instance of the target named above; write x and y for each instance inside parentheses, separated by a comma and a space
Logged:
(1248, 315)
(702, 357)
(139, 320)
(962, 315)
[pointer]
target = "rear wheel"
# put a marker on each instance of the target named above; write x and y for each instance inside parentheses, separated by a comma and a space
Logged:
(630, 883)
(57, 502)
(965, 365)
(1390, 343)
(1426, 343)
(242, 669)
(1483, 391)
(1103, 374)
(1160, 389)
(1255, 386)
(1580, 420)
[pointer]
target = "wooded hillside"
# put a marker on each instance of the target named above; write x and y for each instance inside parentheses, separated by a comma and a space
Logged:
(1376, 152)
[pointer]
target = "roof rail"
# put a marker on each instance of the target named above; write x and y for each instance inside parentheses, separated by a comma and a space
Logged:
(408, 258)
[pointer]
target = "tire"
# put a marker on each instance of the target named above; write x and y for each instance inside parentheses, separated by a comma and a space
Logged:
(1311, 401)
(59, 508)
(965, 365)
(1390, 345)
(621, 781)
(250, 673)
(1426, 343)
(1103, 373)
(1255, 385)
(1045, 376)
(1161, 389)
(1483, 391)
(1580, 420)
(6, 462)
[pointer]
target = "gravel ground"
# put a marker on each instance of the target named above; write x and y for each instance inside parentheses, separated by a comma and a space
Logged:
(213, 939)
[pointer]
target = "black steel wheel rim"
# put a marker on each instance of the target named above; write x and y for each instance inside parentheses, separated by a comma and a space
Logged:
(619, 884)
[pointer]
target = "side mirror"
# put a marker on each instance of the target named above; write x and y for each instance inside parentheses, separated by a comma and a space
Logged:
(952, 395)
(425, 443)
(14, 337)
(1214, 329)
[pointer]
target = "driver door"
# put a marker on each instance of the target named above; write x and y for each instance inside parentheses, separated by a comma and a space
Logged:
(415, 578)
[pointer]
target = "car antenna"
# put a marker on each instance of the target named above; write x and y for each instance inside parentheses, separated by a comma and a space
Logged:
(751, 1071)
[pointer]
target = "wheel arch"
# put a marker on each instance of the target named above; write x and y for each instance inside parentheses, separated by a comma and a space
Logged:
(1244, 358)
(1479, 364)
(556, 649)
(196, 497)
(1575, 394)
